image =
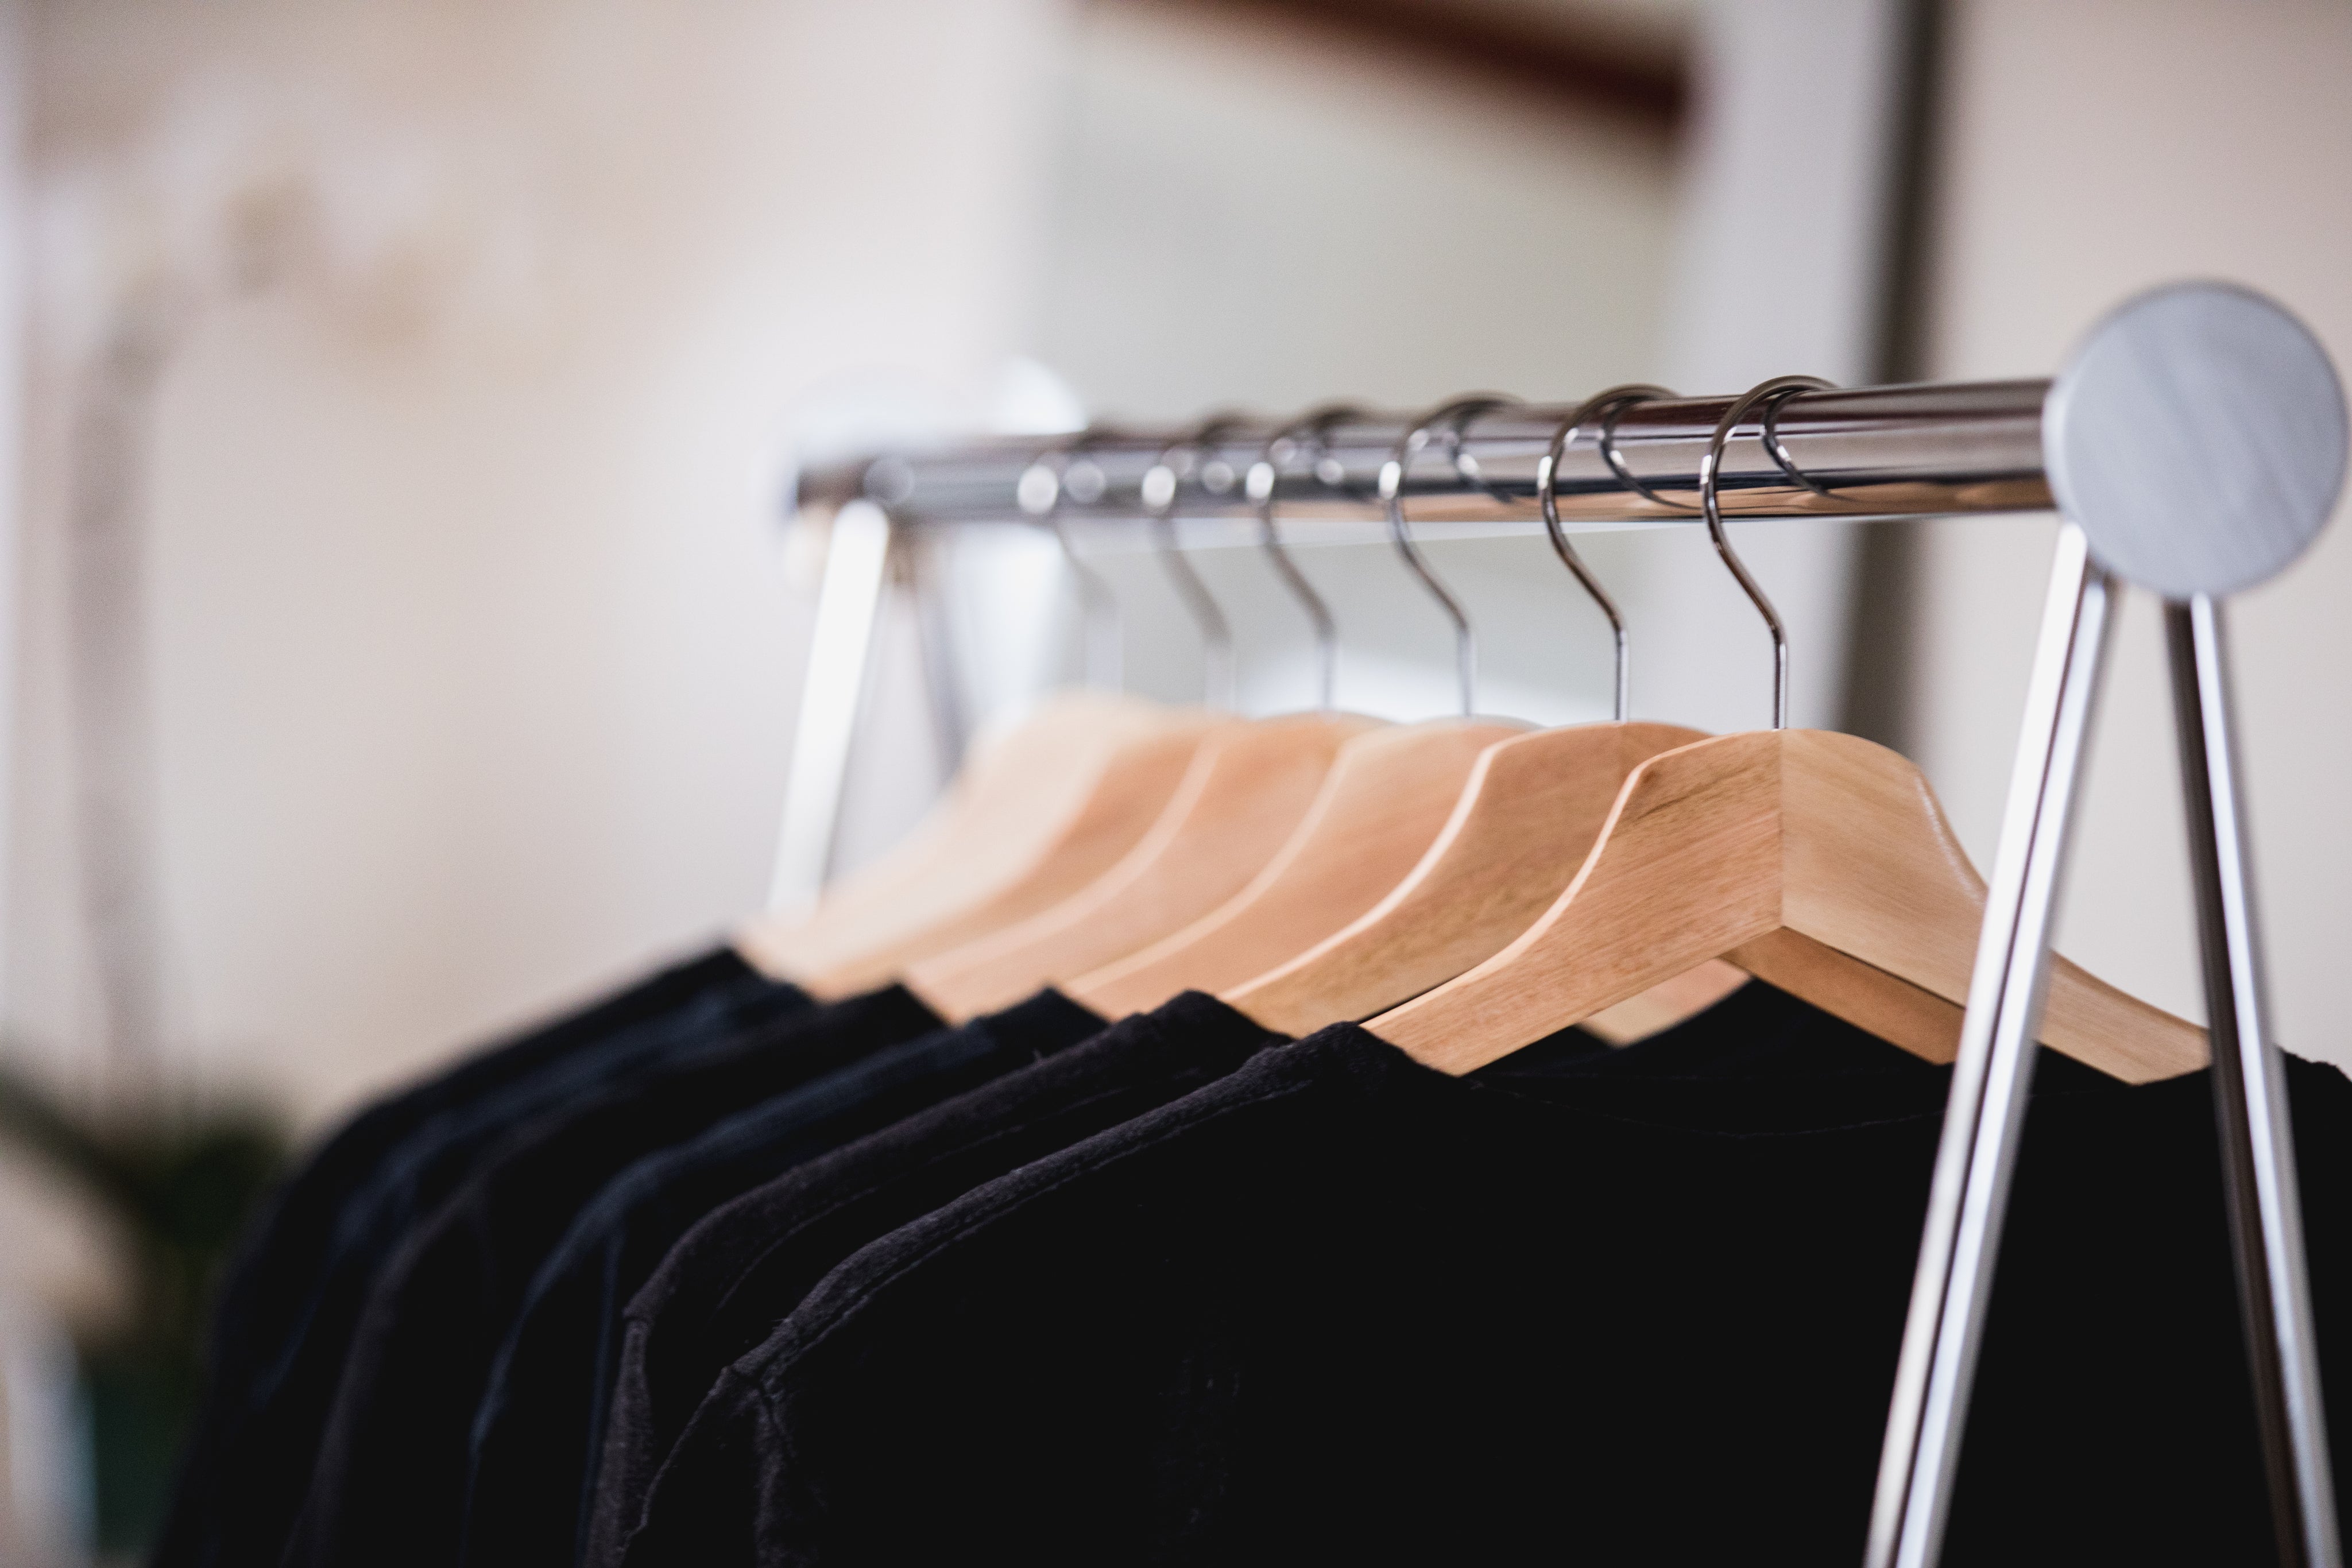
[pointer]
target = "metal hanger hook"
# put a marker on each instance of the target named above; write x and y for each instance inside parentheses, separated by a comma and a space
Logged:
(1710, 471)
(1311, 432)
(1601, 405)
(1162, 482)
(1459, 412)
(1056, 473)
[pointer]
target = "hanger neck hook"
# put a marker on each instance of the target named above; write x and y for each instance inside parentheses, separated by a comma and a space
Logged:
(1458, 411)
(1603, 405)
(1067, 472)
(1310, 434)
(1161, 485)
(1710, 474)
(1615, 459)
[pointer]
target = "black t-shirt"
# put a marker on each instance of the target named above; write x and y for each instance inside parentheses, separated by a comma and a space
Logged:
(1340, 1307)
(540, 1425)
(744, 1268)
(390, 1470)
(283, 1321)
(747, 1265)
(732, 1278)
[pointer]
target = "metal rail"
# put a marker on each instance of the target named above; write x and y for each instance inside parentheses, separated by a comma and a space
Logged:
(1873, 452)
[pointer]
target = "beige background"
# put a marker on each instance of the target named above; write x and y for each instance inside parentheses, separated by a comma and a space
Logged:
(476, 636)
(472, 624)
(2096, 147)
(476, 632)
(475, 628)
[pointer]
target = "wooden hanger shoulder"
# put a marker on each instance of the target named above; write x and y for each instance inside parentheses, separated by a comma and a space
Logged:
(1872, 869)
(1134, 787)
(1014, 800)
(1517, 831)
(1387, 795)
(1243, 794)
(1822, 858)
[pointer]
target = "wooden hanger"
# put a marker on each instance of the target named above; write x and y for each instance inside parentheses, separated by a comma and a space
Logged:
(1246, 788)
(1818, 861)
(1527, 815)
(1388, 795)
(1045, 807)
(1531, 808)
(1024, 823)
(1135, 784)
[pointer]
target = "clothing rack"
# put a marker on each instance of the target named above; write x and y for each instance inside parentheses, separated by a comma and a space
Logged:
(2195, 444)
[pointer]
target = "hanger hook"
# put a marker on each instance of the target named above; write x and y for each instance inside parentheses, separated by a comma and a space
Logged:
(1309, 431)
(1601, 405)
(1160, 487)
(1710, 472)
(1061, 471)
(1616, 459)
(1460, 411)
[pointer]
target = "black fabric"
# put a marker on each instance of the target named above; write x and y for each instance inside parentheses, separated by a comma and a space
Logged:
(747, 1265)
(540, 1425)
(390, 1468)
(740, 1272)
(1339, 1307)
(283, 1321)
(724, 1288)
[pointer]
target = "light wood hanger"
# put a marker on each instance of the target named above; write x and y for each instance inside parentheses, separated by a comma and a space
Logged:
(1666, 1004)
(1529, 812)
(1818, 861)
(1247, 791)
(1387, 795)
(1134, 785)
(1531, 807)
(1246, 788)
(1057, 797)
(1067, 795)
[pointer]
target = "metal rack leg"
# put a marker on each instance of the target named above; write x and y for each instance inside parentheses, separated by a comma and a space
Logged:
(1991, 1076)
(2249, 1100)
(841, 644)
(927, 574)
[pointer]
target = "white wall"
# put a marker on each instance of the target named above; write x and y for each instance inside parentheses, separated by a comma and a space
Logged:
(1263, 219)
(476, 643)
(1267, 216)
(475, 647)
(1778, 268)
(2096, 147)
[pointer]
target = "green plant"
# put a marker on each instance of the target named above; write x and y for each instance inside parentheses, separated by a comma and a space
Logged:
(180, 1185)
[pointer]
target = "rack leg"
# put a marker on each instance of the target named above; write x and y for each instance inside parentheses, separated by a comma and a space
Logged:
(926, 573)
(840, 646)
(1991, 1076)
(2250, 1100)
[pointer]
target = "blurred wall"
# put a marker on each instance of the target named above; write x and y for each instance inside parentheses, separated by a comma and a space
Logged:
(1251, 212)
(1258, 216)
(2092, 149)
(467, 605)
(487, 332)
